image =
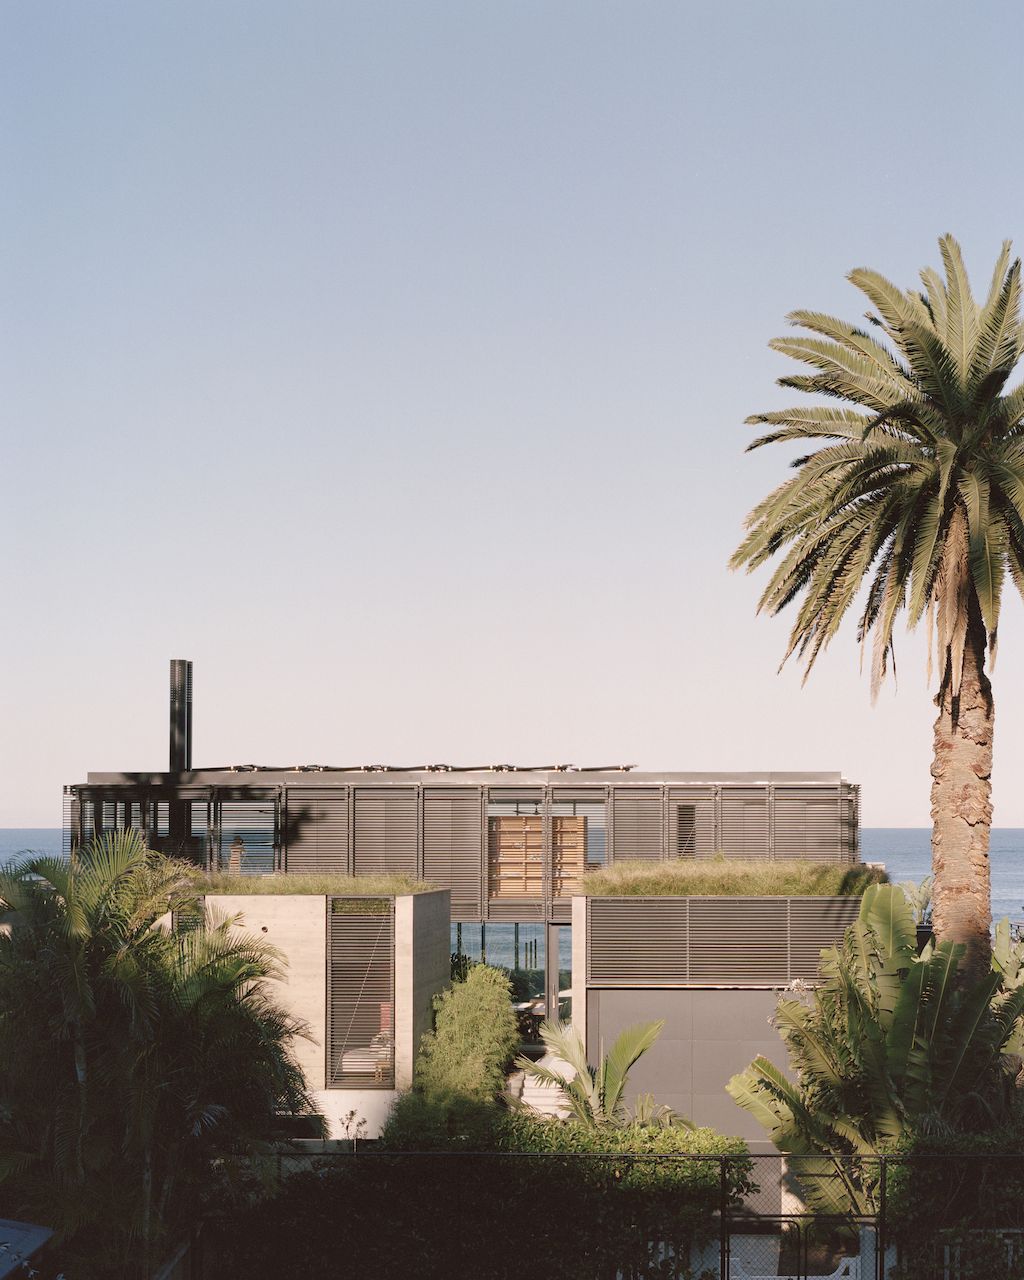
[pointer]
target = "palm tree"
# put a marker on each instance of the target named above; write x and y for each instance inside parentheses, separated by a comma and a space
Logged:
(134, 1063)
(911, 498)
(886, 1046)
(596, 1095)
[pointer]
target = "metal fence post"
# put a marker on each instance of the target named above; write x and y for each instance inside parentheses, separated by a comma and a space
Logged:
(880, 1230)
(723, 1235)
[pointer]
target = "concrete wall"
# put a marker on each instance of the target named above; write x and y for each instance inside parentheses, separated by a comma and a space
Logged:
(297, 925)
(422, 969)
(709, 1035)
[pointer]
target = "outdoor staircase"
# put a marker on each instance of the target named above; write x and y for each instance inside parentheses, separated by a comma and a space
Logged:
(546, 1099)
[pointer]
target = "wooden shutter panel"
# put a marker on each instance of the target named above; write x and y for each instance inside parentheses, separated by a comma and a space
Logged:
(360, 994)
(452, 847)
(636, 825)
(745, 823)
(316, 831)
(385, 830)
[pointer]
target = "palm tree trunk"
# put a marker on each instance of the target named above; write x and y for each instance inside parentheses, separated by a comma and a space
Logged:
(962, 805)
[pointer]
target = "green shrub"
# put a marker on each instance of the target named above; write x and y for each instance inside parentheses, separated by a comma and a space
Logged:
(721, 877)
(469, 1051)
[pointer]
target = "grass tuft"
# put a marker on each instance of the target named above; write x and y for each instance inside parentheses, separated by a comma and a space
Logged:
(716, 877)
(383, 886)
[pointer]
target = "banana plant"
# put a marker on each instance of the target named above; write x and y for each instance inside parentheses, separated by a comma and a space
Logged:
(888, 1043)
(596, 1095)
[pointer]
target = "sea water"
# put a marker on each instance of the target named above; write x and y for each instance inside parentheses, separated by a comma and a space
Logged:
(906, 852)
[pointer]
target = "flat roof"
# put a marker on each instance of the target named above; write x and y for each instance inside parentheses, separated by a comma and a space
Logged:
(444, 775)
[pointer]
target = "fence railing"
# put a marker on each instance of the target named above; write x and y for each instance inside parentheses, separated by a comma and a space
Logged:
(584, 1216)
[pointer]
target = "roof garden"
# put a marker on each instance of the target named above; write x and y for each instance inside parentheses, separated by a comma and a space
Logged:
(382, 886)
(717, 877)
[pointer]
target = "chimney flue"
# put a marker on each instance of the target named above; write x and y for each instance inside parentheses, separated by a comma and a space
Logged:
(181, 715)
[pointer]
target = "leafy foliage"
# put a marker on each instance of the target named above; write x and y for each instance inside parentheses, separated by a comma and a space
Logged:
(732, 877)
(889, 1044)
(130, 1059)
(596, 1095)
(913, 483)
(490, 1213)
(473, 1039)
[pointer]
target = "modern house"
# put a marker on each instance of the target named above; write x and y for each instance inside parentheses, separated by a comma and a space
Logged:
(511, 845)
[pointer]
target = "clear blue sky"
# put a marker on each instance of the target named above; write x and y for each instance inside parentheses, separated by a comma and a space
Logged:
(391, 361)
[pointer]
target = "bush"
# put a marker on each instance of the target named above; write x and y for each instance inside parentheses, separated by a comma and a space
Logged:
(556, 1197)
(470, 1049)
(957, 1194)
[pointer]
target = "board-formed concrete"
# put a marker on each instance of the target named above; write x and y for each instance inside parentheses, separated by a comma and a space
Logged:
(296, 925)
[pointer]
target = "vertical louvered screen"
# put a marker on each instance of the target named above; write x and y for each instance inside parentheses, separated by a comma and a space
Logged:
(744, 831)
(723, 941)
(636, 825)
(360, 994)
(691, 824)
(807, 825)
(452, 840)
(316, 831)
(385, 830)
(69, 833)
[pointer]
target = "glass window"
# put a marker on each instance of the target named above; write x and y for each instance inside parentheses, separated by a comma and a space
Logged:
(519, 950)
(578, 843)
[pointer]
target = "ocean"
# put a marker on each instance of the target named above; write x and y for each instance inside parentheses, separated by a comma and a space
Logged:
(906, 852)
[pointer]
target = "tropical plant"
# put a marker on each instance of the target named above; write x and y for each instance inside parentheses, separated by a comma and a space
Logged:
(135, 1064)
(911, 498)
(473, 1039)
(887, 1045)
(596, 1095)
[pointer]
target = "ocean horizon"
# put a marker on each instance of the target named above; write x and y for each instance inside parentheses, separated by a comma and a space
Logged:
(905, 851)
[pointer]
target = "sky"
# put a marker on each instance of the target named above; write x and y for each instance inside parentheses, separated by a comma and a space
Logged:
(391, 362)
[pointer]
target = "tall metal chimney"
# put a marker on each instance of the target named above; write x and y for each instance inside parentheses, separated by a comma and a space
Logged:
(181, 715)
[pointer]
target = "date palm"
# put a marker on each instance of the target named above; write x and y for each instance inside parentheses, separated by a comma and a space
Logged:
(910, 500)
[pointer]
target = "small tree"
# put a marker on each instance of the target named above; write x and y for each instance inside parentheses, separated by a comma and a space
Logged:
(596, 1095)
(888, 1044)
(473, 1040)
(133, 1063)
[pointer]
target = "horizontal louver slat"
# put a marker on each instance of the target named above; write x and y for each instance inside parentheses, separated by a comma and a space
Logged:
(636, 825)
(744, 823)
(816, 923)
(316, 832)
(711, 941)
(691, 824)
(360, 998)
(807, 825)
(385, 831)
(452, 847)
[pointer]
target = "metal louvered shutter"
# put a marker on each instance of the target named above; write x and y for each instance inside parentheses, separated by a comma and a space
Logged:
(713, 941)
(807, 825)
(739, 940)
(316, 831)
(452, 836)
(360, 994)
(637, 941)
(816, 923)
(744, 823)
(691, 824)
(247, 831)
(636, 825)
(385, 831)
